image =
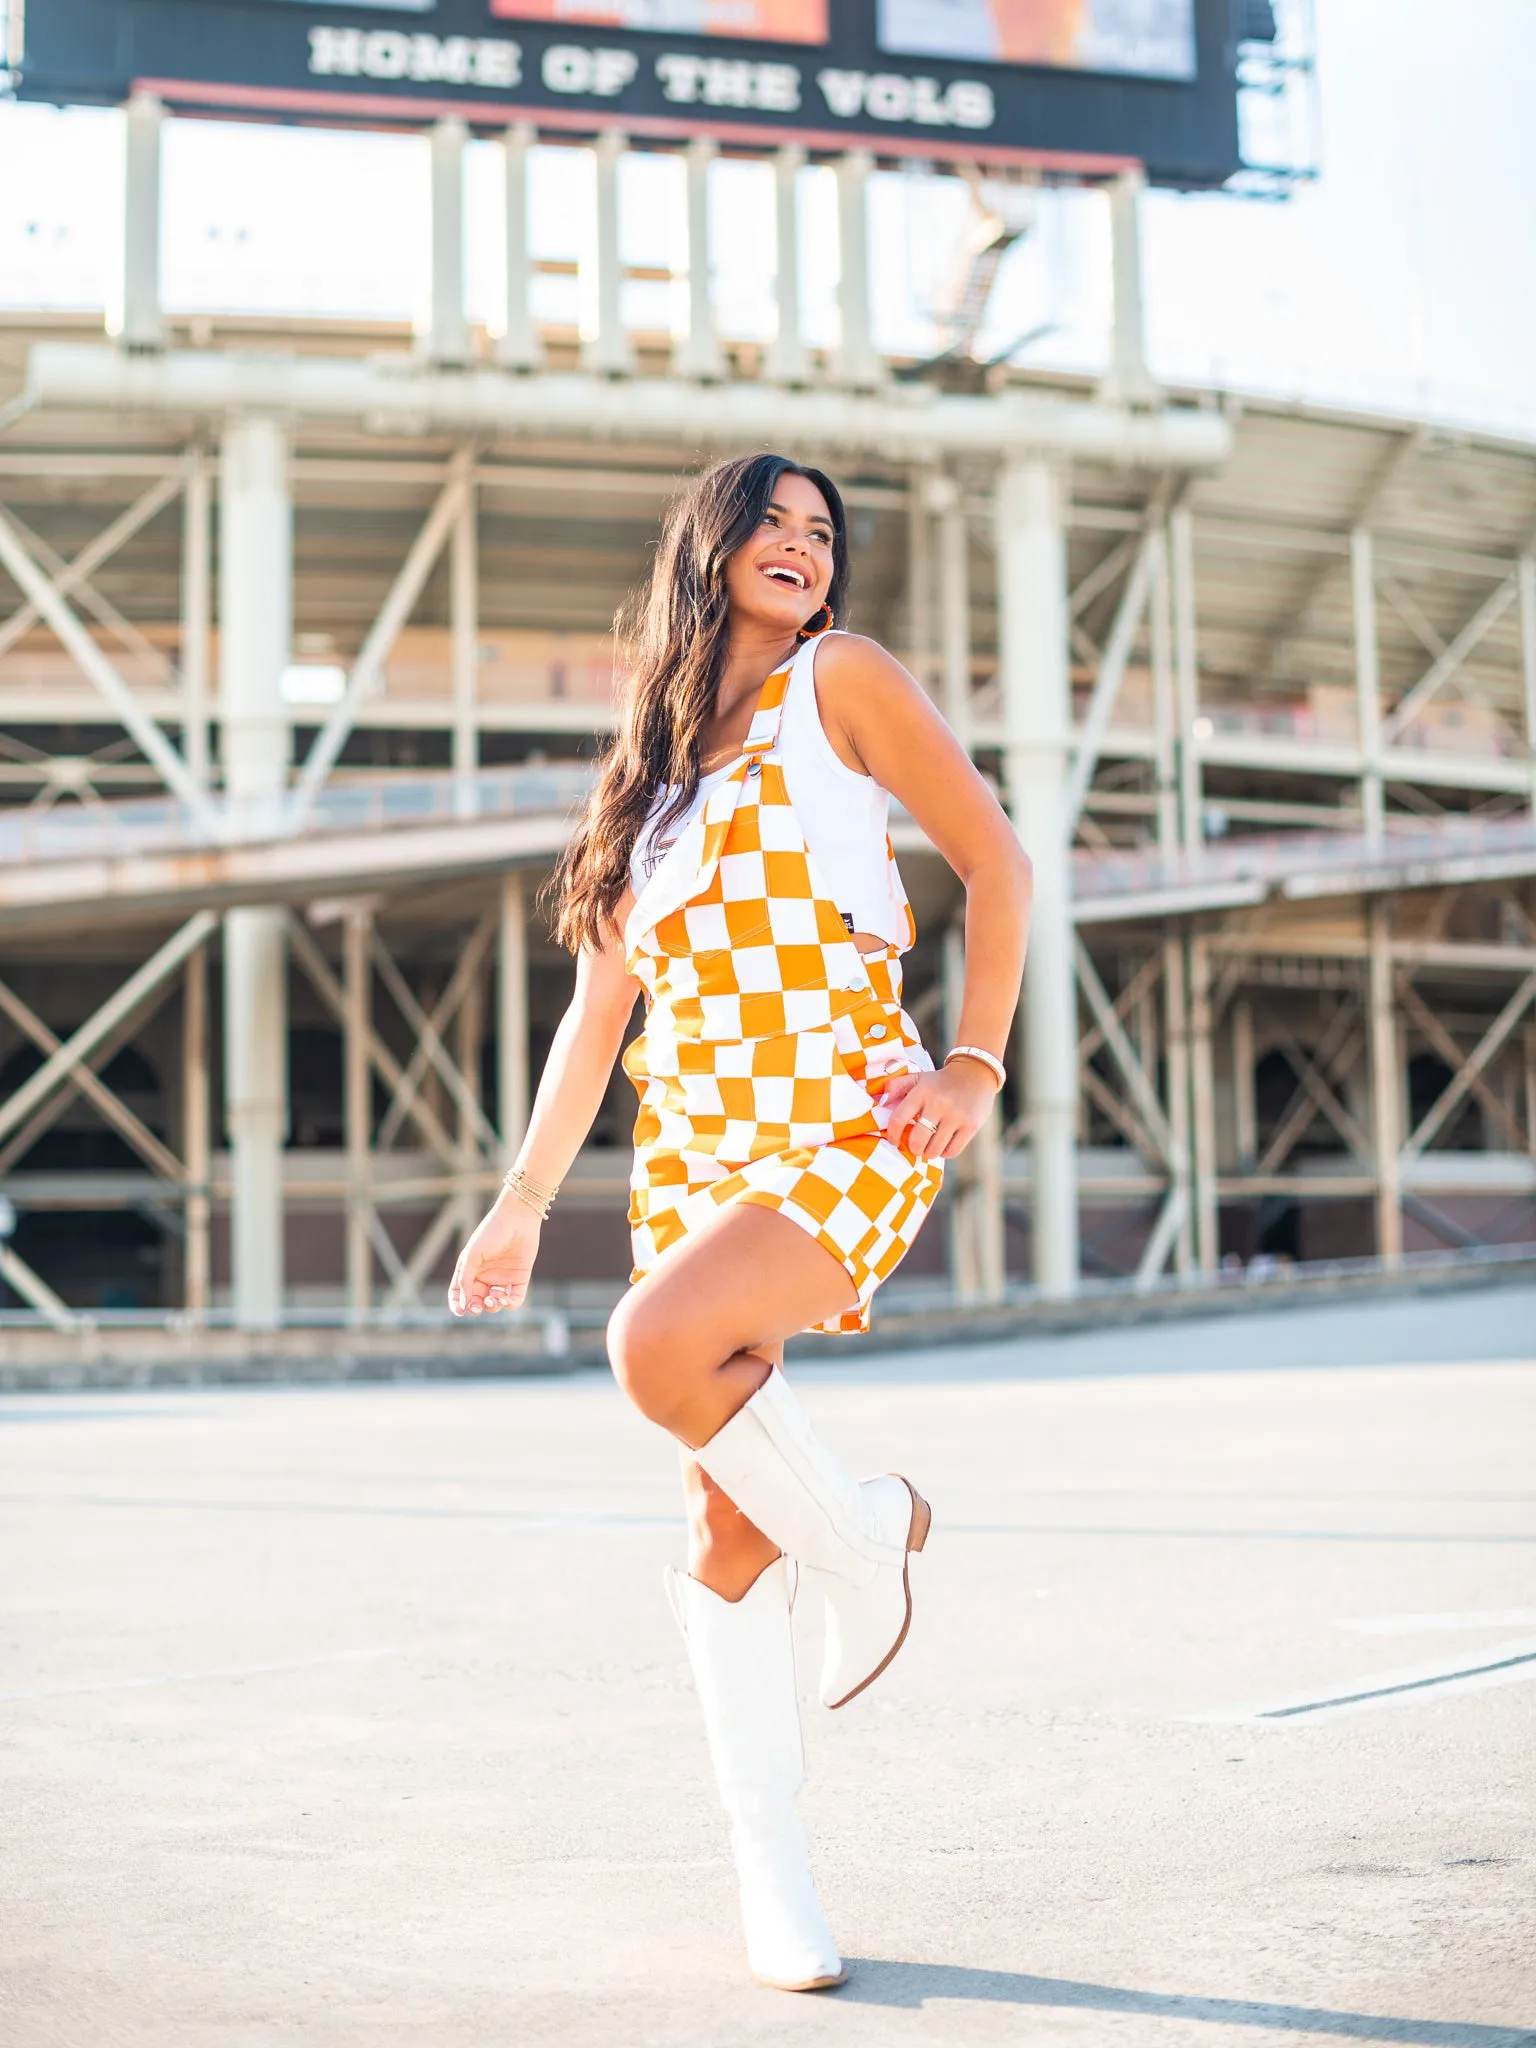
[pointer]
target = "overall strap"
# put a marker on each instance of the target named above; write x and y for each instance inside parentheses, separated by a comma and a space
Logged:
(763, 733)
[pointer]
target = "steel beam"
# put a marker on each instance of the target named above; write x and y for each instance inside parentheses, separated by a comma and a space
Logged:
(700, 355)
(1032, 671)
(607, 352)
(196, 1138)
(512, 1079)
(910, 423)
(357, 1105)
(856, 361)
(448, 333)
(196, 614)
(519, 349)
(139, 322)
(787, 361)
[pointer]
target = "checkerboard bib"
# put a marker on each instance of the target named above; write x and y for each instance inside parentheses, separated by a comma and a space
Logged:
(768, 1038)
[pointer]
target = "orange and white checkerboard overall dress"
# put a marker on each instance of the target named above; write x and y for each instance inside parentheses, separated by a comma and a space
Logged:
(768, 1038)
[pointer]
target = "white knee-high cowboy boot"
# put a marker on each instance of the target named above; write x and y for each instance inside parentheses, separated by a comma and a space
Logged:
(743, 1660)
(854, 1534)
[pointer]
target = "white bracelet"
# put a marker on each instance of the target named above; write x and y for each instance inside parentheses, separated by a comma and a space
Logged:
(989, 1060)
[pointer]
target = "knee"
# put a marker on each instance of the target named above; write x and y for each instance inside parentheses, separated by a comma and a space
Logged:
(645, 1355)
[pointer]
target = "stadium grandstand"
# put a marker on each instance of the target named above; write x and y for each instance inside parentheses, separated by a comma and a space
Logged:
(305, 659)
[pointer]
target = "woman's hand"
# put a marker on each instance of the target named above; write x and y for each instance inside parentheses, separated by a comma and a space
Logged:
(496, 1263)
(956, 1099)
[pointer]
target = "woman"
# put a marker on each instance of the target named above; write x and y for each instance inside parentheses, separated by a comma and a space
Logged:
(733, 865)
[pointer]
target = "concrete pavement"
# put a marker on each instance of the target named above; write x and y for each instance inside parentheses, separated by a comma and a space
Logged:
(355, 1714)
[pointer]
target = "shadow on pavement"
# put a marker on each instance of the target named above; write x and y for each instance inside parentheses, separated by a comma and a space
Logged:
(876, 1982)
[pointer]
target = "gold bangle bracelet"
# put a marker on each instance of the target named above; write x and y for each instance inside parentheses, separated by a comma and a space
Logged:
(989, 1060)
(540, 1199)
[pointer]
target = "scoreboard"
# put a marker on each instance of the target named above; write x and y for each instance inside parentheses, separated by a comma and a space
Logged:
(1074, 86)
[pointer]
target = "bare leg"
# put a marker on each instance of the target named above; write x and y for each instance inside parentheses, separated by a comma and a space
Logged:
(694, 1340)
(726, 1552)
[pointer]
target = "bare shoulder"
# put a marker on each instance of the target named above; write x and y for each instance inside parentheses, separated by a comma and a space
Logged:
(852, 660)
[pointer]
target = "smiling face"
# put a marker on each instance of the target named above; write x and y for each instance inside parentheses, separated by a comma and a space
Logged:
(780, 576)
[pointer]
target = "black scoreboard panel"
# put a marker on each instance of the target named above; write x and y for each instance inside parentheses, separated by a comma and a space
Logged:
(1079, 86)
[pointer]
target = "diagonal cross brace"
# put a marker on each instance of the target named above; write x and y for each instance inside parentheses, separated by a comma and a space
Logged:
(80, 1077)
(443, 1010)
(1315, 1076)
(1453, 1056)
(329, 989)
(429, 1042)
(1142, 1092)
(91, 557)
(37, 1087)
(1482, 622)
(83, 650)
(1106, 686)
(382, 634)
(1471, 1068)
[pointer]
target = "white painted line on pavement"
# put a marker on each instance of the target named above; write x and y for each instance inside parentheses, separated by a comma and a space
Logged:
(1431, 1624)
(62, 1692)
(1501, 1664)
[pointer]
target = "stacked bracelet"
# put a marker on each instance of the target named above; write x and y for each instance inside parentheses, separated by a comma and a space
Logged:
(540, 1199)
(989, 1060)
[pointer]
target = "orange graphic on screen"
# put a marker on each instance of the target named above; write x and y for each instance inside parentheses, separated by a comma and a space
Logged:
(764, 21)
(1141, 38)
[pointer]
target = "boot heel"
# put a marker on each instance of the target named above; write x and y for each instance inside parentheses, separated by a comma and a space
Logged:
(922, 1519)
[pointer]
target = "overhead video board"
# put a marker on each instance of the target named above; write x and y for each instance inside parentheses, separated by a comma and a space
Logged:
(1080, 86)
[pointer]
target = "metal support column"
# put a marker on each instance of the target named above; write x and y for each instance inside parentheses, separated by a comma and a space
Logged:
(1176, 1072)
(1245, 1100)
(1362, 573)
(469, 1029)
(255, 633)
(787, 361)
(512, 1088)
(448, 335)
(1386, 1087)
(919, 605)
(607, 350)
(464, 633)
(519, 346)
(357, 1105)
(857, 365)
(196, 1135)
(1129, 381)
(700, 355)
(1202, 1078)
(1165, 715)
(1186, 670)
(948, 502)
(1526, 572)
(1032, 668)
(141, 323)
(977, 1248)
(196, 614)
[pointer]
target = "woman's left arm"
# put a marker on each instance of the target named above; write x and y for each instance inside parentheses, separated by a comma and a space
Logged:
(885, 721)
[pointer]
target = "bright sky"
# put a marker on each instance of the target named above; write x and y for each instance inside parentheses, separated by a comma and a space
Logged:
(1403, 280)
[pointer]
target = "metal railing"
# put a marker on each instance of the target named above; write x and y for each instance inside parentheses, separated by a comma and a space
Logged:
(1276, 859)
(380, 803)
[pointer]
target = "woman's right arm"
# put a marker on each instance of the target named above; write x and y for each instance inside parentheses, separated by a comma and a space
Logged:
(496, 1264)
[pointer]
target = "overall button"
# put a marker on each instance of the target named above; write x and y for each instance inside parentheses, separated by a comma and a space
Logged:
(877, 1031)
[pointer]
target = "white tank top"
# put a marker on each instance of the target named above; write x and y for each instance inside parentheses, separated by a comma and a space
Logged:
(843, 814)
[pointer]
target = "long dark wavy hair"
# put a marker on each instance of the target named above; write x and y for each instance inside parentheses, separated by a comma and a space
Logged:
(672, 647)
